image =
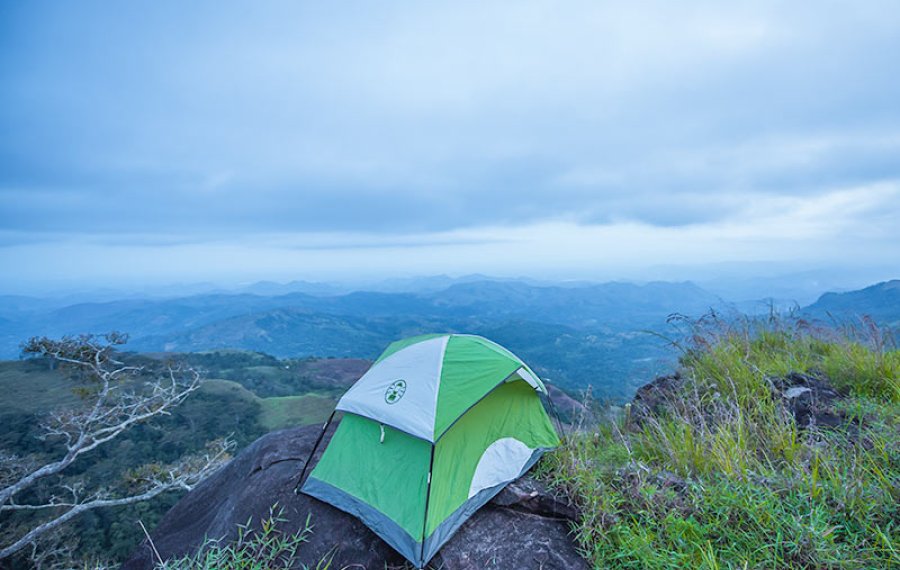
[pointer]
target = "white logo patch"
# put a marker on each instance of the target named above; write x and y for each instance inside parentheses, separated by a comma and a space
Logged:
(395, 391)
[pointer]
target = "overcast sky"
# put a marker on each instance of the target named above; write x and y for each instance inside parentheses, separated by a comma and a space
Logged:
(183, 141)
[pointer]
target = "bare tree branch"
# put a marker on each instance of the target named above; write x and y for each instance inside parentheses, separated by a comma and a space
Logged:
(114, 404)
(184, 475)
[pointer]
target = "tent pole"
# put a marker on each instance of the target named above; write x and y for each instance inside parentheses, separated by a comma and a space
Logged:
(311, 453)
(427, 498)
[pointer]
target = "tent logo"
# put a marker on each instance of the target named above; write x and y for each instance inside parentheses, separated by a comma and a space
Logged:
(395, 391)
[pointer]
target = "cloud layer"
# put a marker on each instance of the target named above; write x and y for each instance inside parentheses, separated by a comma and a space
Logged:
(454, 128)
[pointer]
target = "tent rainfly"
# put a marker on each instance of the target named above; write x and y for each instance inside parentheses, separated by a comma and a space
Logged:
(436, 427)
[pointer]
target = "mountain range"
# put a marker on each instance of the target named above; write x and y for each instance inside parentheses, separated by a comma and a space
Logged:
(608, 335)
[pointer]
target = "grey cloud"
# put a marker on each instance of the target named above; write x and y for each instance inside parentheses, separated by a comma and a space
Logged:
(215, 119)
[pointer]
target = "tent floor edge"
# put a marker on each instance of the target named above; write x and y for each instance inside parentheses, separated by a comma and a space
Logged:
(445, 531)
(386, 529)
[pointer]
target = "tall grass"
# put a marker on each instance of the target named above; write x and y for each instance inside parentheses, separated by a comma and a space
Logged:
(262, 548)
(723, 477)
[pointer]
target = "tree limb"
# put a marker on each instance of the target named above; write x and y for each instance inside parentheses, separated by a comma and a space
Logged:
(183, 476)
(111, 411)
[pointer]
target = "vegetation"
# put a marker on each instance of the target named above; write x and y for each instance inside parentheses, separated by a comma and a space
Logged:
(263, 548)
(38, 492)
(276, 412)
(219, 408)
(720, 475)
(34, 388)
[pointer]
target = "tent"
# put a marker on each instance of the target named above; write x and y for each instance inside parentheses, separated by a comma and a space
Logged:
(436, 427)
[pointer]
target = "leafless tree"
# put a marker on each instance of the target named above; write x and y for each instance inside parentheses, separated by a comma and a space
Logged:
(116, 397)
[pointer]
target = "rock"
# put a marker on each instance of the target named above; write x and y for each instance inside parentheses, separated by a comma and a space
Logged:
(809, 398)
(572, 413)
(505, 539)
(653, 398)
(525, 526)
(531, 496)
(795, 392)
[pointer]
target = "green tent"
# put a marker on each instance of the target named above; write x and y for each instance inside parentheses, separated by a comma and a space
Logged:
(436, 427)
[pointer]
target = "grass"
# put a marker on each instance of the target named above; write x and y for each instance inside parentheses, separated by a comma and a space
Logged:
(278, 412)
(31, 387)
(285, 411)
(263, 548)
(722, 477)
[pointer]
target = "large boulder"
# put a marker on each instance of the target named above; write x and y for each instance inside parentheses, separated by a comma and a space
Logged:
(526, 526)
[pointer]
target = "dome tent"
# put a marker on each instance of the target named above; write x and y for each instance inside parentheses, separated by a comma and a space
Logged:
(436, 427)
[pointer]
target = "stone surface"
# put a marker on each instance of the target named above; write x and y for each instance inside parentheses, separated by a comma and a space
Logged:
(526, 526)
(809, 398)
(652, 399)
(571, 412)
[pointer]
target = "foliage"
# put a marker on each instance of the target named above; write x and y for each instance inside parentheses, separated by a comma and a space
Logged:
(35, 387)
(722, 476)
(220, 408)
(267, 377)
(39, 493)
(262, 548)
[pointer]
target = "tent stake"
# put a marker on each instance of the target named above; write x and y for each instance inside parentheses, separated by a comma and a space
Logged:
(311, 453)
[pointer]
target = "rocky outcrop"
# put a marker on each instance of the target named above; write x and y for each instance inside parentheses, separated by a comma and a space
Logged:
(525, 526)
(653, 398)
(809, 398)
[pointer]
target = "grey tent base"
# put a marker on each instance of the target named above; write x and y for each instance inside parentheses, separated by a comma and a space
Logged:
(451, 524)
(392, 533)
(388, 530)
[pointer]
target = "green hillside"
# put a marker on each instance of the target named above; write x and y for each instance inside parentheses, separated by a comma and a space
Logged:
(279, 411)
(221, 408)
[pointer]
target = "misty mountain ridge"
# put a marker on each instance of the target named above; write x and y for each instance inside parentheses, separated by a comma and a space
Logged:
(880, 301)
(575, 306)
(570, 332)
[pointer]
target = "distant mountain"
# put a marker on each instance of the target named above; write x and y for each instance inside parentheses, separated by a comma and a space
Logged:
(578, 334)
(423, 284)
(290, 332)
(271, 288)
(610, 306)
(880, 301)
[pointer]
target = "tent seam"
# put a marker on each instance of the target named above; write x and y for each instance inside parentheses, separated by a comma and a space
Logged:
(437, 388)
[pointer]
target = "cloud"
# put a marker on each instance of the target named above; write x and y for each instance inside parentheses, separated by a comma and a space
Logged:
(405, 122)
(832, 230)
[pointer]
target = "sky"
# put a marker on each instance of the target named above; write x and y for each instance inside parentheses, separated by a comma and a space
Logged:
(155, 142)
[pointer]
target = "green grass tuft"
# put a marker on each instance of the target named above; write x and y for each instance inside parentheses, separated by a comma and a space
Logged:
(722, 477)
(263, 548)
